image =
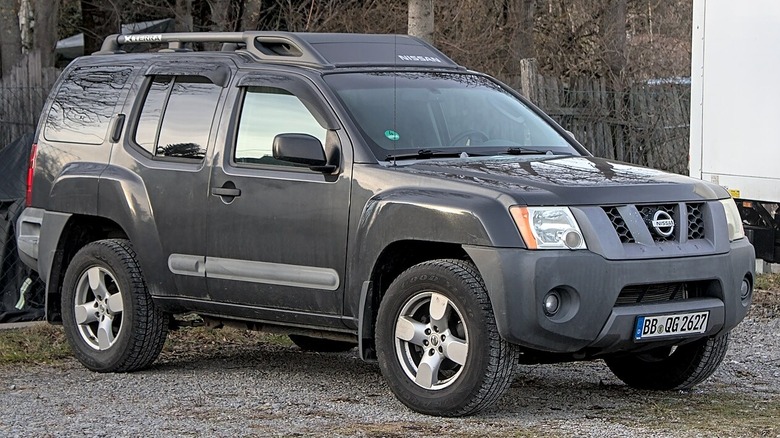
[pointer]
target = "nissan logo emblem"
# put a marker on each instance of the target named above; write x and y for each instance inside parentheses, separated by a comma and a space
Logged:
(662, 223)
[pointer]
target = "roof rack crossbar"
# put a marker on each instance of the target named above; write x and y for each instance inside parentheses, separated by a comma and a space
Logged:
(267, 46)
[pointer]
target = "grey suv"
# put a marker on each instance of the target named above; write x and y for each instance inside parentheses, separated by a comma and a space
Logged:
(365, 190)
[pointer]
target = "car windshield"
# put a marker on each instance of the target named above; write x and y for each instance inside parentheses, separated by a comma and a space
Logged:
(425, 114)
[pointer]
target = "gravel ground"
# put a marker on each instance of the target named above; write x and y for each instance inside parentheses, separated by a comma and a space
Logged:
(266, 388)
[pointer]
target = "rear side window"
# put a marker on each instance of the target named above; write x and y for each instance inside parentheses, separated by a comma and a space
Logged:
(176, 116)
(84, 104)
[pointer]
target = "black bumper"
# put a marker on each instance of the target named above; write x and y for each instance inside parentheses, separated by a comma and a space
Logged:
(517, 281)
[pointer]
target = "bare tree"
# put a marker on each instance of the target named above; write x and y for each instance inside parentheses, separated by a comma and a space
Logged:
(421, 19)
(10, 37)
(45, 30)
(614, 36)
(183, 16)
(520, 21)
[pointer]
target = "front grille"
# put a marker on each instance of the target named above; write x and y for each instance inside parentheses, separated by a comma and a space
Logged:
(620, 225)
(670, 222)
(695, 221)
(652, 293)
(648, 212)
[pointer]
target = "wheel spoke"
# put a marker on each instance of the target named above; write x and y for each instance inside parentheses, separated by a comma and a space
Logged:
(115, 303)
(97, 282)
(105, 333)
(439, 307)
(428, 370)
(409, 330)
(456, 349)
(86, 313)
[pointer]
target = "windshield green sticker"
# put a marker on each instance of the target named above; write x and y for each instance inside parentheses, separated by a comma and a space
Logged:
(392, 135)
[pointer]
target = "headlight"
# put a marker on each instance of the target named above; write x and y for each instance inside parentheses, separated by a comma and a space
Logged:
(548, 227)
(733, 219)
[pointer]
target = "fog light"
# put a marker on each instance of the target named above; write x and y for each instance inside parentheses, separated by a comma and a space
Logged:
(572, 239)
(745, 288)
(552, 303)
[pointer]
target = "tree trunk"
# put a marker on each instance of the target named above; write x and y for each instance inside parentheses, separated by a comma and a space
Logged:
(421, 19)
(251, 16)
(183, 14)
(97, 22)
(521, 16)
(614, 37)
(10, 36)
(45, 31)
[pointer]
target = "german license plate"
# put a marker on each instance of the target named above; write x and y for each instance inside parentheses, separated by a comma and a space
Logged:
(670, 325)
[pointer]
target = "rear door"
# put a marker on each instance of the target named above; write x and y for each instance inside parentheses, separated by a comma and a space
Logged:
(168, 138)
(277, 232)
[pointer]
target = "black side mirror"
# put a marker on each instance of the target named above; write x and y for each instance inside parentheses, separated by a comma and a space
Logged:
(302, 149)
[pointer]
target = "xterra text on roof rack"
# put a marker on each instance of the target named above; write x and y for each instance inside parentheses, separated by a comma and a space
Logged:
(365, 190)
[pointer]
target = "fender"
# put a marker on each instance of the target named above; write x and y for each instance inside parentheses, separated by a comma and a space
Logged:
(123, 198)
(75, 190)
(425, 215)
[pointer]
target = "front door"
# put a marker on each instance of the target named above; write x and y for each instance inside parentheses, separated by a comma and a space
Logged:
(277, 232)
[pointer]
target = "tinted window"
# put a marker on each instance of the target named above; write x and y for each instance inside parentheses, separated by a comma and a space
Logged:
(149, 120)
(176, 118)
(267, 112)
(84, 104)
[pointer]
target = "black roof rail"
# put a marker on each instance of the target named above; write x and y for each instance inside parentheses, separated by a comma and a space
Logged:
(322, 50)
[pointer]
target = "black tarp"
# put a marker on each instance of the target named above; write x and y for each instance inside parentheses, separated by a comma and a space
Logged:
(21, 294)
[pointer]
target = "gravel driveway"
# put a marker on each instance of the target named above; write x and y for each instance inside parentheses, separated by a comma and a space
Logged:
(250, 387)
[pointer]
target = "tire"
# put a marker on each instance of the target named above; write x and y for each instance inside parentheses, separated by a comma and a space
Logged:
(109, 317)
(320, 345)
(671, 369)
(436, 316)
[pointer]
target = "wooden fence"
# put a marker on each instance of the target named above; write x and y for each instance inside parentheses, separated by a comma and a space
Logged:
(646, 124)
(23, 93)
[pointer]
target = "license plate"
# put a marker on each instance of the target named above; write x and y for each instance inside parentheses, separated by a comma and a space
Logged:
(670, 325)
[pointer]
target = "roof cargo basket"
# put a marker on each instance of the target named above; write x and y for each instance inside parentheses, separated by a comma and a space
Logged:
(321, 50)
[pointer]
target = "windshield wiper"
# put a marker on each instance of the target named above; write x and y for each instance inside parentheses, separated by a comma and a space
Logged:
(423, 153)
(526, 151)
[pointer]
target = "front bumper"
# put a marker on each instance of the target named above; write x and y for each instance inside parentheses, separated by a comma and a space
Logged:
(517, 281)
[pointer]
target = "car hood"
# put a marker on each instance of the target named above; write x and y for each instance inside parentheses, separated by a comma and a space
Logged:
(569, 180)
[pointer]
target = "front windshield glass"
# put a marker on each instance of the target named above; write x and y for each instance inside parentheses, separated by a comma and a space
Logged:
(409, 112)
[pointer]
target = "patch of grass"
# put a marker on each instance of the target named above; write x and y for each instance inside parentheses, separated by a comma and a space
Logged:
(768, 282)
(725, 414)
(766, 297)
(43, 343)
(196, 341)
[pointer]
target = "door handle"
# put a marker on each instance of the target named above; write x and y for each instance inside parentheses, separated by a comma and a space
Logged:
(225, 191)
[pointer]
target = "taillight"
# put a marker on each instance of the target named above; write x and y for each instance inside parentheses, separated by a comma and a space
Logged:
(31, 174)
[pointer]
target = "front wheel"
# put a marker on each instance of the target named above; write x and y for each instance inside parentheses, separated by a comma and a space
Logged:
(438, 343)
(109, 317)
(668, 368)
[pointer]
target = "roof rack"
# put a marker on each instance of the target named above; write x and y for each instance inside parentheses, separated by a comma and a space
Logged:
(321, 50)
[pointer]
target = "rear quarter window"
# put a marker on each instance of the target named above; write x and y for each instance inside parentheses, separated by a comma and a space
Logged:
(84, 104)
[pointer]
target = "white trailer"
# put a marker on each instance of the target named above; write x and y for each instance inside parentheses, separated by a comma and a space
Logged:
(735, 110)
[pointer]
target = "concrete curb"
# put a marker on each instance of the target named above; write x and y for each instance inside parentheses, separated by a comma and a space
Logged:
(18, 325)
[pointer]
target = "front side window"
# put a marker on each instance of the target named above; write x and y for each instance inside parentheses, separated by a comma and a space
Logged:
(266, 113)
(401, 112)
(176, 117)
(84, 104)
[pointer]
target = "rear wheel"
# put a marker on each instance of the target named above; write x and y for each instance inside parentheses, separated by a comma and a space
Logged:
(307, 343)
(437, 341)
(109, 317)
(668, 368)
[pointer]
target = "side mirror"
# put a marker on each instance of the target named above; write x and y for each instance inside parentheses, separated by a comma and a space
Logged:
(301, 149)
